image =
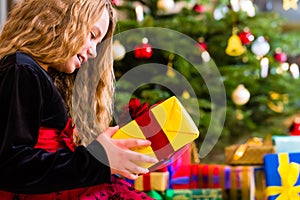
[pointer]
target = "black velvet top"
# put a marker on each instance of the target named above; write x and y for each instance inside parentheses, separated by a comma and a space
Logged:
(29, 100)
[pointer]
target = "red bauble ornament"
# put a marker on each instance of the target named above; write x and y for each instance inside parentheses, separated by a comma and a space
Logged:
(144, 50)
(280, 56)
(198, 8)
(295, 127)
(115, 2)
(246, 37)
(202, 45)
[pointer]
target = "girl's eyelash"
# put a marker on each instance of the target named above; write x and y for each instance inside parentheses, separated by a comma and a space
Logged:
(93, 35)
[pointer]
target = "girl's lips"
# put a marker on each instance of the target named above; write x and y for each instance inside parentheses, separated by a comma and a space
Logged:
(78, 62)
(80, 58)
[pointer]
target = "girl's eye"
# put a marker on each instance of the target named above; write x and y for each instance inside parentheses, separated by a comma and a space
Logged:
(93, 36)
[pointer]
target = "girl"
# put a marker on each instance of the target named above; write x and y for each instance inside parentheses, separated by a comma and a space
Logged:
(38, 158)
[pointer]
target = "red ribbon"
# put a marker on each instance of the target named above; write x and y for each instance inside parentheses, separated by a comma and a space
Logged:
(205, 176)
(216, 183)
(152, 131)
(52, 139)
(48, 139)
(132, 110)
(147, 182)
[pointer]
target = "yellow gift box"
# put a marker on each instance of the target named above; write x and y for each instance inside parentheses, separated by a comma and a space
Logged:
(158, 181)
(167, 125)
(250, 153)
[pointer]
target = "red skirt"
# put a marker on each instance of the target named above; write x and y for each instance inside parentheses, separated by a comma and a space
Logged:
(117, 189)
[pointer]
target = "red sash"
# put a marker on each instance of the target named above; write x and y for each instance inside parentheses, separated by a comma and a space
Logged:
(52, 139)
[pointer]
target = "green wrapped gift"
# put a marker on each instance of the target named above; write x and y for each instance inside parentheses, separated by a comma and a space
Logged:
(194, 194)
(178, 194)
(155, 195)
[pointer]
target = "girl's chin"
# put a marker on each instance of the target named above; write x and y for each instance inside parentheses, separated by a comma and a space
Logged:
(70, 70)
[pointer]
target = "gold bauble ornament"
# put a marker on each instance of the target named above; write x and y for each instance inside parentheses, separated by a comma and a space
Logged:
(165, 5)
(186, 94)
(170, 72)
(277, 101)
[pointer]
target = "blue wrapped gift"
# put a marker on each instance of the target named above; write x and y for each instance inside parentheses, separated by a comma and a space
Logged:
(286, 144)
(282, 176)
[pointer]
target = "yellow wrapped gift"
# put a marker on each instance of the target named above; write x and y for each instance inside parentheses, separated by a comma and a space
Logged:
(167, 125)
(158, 181)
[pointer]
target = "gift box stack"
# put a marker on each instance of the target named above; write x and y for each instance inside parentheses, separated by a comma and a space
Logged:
(241, 177)
(251, 155)
(275, 164)
(236, 182)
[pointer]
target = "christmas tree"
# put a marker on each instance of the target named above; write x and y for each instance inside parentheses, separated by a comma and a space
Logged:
(210, 45)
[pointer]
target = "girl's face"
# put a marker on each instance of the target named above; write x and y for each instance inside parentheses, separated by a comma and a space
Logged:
(88, 50)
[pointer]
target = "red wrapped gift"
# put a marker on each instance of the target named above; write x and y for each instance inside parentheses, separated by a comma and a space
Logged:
(184, 177)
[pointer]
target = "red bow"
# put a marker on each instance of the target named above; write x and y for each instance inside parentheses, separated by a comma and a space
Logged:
(132, 110)
(66, 135)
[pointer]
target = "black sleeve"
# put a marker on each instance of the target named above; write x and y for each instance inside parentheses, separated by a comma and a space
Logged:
(25, 169)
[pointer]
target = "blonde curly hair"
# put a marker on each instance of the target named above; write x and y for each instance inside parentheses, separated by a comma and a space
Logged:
(52, 31)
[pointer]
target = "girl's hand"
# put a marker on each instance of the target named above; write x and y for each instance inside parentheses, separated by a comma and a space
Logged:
(122, 160)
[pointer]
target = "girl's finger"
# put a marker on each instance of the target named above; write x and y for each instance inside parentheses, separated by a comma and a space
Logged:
(131, 143)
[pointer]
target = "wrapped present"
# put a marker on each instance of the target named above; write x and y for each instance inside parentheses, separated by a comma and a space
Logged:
(282, 176)
(250, 153)
(181, 170)
(178, 194)
(194, 194)
(286, 144)
(182, 159)
(158, 181)
(155, 195)
(237, 182)
(260, 183)
(167, 125)
(184, 176)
